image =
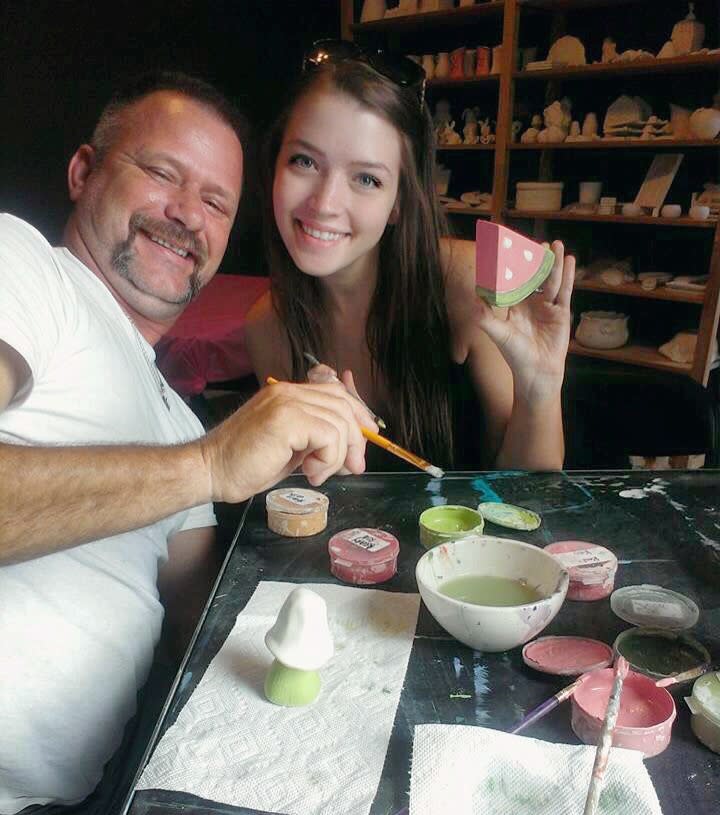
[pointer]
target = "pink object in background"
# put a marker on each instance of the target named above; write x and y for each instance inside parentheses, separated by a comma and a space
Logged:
(207, 343)
(646, 714)
(363, 556)
(592, 568)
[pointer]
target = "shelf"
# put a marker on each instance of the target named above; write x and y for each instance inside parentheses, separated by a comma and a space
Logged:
(573, 5)
(698, 62)
(450, 147)
(453, 17)
(643, 355)
(622, 144)
(636, 290)
(485, 79)
(611, 219)
(478, 213)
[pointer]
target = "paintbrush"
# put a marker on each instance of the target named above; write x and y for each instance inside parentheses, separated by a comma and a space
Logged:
(391, 447)
(686, 676)
(606, 736)
(548, 705)
(377, 419)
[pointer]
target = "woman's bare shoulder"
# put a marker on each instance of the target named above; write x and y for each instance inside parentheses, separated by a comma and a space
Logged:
(266, 340)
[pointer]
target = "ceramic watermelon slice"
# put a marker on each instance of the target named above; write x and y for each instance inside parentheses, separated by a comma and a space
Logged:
(508, 266)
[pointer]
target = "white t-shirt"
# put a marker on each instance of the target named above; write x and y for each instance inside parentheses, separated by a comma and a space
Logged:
(77, 627)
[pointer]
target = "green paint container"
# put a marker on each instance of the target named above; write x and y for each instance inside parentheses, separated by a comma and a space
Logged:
(659, 653)
(448, 523)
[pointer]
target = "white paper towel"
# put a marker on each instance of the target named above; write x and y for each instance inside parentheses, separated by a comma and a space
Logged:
(464, 770)
(229, 744)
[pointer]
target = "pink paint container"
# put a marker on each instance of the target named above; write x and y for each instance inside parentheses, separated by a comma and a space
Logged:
(363, 556)
(592, 568)
(646, 712)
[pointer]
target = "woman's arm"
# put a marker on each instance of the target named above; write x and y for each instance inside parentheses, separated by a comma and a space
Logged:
(516, 358)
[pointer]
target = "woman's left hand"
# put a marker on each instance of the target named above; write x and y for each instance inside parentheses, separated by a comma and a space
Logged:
(535, 336)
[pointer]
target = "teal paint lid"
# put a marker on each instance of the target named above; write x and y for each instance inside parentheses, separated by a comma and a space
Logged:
(654, 606)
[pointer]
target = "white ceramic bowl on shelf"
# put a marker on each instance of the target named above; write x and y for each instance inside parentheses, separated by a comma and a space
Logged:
(491, 628)
(539, 195)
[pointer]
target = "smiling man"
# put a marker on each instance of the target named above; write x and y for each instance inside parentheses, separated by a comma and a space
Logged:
(106, 478)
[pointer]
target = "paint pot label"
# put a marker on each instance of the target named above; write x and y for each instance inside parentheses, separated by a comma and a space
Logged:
(652, 608)
(298, 498)
(592, 556)
(364, 540)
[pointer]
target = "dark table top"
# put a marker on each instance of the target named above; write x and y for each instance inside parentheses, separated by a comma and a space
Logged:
(666, 532)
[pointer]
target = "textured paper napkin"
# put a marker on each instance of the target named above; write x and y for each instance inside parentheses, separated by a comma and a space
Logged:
(229, 744)
(463, 770)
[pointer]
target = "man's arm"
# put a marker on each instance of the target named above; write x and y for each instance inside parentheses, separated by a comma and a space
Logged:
(184, 583)
(53, 498)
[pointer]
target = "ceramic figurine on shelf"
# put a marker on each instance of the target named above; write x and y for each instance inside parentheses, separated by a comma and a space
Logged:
(609, 50)
(447, 135)
(530, 136)
(301, 643)
(470, 128)
(575, 133)
(667, 51)
(688, 35)
(705, 123)
(557, 120)
(567, 51)
(486, 135)
(679, 121)
(590, 126)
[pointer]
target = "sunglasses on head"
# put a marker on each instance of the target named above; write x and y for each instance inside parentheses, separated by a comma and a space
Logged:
(395, 67)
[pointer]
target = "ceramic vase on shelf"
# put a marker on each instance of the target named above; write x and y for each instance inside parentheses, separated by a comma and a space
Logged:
(372, 10)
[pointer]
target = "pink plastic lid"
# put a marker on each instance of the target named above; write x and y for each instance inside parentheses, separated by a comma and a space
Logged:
(587, 563)
(364, 546)
(567, 656)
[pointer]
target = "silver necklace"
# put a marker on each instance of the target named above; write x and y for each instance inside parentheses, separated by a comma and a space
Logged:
(152, 366)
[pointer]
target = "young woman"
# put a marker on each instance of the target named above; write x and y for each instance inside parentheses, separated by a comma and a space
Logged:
(363, 279)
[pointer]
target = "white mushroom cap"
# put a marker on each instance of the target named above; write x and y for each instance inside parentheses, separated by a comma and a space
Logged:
(300, 637)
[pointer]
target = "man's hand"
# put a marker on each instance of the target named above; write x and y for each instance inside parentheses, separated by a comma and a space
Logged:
(285, 426)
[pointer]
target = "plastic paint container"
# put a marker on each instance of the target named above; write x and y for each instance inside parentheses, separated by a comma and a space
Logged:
(658, 653)
(509, 515)
(448, 523)
(645, 718)
(567, 656)
(592, 568)
(658, 648)
(705, 707)
(295, 512)
(363, 556)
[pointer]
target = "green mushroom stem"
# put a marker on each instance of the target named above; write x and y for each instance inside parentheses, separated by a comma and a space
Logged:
(291, 687)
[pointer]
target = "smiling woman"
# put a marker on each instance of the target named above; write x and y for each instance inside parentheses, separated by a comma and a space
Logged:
(362, 277)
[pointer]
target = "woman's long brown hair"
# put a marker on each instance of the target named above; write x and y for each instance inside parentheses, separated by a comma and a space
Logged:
(407, 331)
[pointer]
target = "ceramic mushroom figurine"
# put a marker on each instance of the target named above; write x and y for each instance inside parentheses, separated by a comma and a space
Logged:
(301, 643)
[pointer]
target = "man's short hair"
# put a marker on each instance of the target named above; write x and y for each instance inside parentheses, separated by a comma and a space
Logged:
(199, 90)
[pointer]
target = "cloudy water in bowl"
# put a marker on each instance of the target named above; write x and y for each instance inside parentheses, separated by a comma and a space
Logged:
(484, 590)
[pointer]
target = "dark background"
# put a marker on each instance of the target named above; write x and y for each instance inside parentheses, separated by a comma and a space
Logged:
(60, 60)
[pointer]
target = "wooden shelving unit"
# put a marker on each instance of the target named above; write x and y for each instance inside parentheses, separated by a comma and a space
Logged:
(511, 22)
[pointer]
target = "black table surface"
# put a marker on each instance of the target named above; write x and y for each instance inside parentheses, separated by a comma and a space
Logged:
(666, 532)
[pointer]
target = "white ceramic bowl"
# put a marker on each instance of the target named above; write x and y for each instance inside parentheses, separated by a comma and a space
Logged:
(491, 628)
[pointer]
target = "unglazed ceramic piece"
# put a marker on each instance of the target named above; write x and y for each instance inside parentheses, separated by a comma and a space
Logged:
(705, 123)
(300, 637)
(567, 50)
(602, 329)
(688, 34)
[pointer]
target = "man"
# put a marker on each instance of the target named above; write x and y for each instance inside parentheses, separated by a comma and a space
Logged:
(103, 469)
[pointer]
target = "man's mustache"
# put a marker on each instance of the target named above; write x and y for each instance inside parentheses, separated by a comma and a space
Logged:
(172, 233)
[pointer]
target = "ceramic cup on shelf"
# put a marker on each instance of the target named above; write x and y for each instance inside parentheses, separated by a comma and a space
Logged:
(482, 61)
(428, 64)
(699, 212)
(631, 209)
(671, 211)
(602, 329)
(590, 192)
(442, 66)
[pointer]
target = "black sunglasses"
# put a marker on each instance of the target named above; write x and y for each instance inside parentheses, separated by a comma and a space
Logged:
(395, 67)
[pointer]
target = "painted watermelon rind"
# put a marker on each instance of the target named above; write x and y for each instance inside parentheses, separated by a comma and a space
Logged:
(514, 296)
